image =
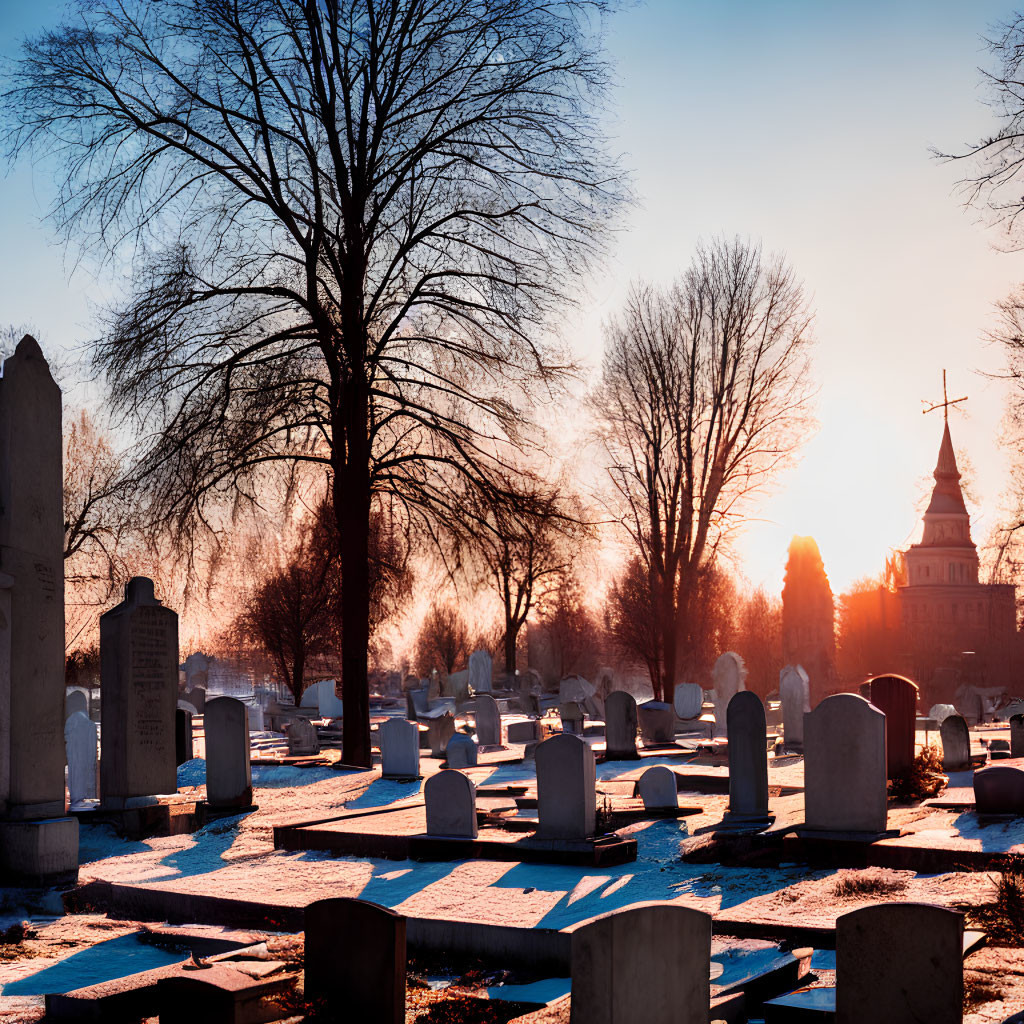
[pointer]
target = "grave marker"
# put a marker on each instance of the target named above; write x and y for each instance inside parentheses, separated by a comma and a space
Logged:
(399, 749)
(748, 758)
(795, 692)
(302, 738)
(620, 722)
(461, 751)
(728, 675)
(657, 788)
(488, 721)
(657, 723)
(566, 788)
(999, 789)
(76, 699)
(480, 672)
(451, 805)
(182, 736)
(956, 743)
(1017, 736)
(139, 672)
(688, 701)
(80, 736)
(896, 698)
(228, 772)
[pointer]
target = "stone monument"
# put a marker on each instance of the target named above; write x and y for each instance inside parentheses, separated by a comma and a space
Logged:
(956, 743)
(566, 788)
(896, 698)
(399, 749)
(728, 675)
(228, 771)
(450, 798)
(795, 692)
(480, 672)
(80, 736)
(748, 760)
(488, 721)
(620, 723)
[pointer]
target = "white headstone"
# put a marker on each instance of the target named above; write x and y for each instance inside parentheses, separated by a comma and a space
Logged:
(451, 805)
(795, 691)
(620, 724)
(566, 788)
(844, 766)
(488, 721)
(657, 788)
(80, 736)
(302, 738)
(480, 672)
(399, 749)
(461, 751)
(748, 757)
(728, 675)
(228, 772)
(939, 712)
(688, 701)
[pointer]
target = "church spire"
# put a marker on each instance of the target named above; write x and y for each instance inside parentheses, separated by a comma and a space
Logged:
(947, 495)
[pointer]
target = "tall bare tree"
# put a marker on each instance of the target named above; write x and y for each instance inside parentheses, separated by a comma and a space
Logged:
(704, 396)
(443, 639)
(348, 223)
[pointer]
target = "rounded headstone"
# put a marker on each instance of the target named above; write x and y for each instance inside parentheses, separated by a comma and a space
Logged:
(620, 723)
(956, 743)
(896, 697)
(80, 735)
(461, 751)
(748, 757)
(688, 701)
(450, 799)
(795, 694)
(728, 675)
(657, 788)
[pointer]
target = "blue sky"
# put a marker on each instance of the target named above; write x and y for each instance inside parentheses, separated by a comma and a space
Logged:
(806, 125)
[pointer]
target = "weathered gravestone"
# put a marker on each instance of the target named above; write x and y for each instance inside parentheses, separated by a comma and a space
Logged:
(844, 766)
(795, 693)
(938, 713)
(896, 698)
(1017, 736)
(328, 701)
(440, 729)
(461, 751)
(182, 736)
(999, 789)
(488, 721)
(362, 979)
(76, 698)
(956, 743)
(647, 964)
(228, 772)
(566, 788)
(139, 673)
(688, 701)
(748, 759)
(399, 749)
(572, 717)
(80, 735)
(657, 788)
(197, 698)
(36, 841)
(451, 805)
(657, 723)
(728, 676)
(620, 721)
(480, 672)
(900, 963)
(302, 738)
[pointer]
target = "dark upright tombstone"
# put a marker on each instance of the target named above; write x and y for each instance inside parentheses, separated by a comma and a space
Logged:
(182, 736)
(896, 698)
(620, 722)
(999, 789)
(362, 979)
(1017, 736)
(956, 743)
(748, 758)
(900, 963)
(228, 772)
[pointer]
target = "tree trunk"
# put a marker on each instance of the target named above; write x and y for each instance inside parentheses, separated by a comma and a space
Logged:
(298, 674)
(511, 633)
(669, 642)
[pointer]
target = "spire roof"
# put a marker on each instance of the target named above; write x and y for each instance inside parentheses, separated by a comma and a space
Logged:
(947, 495)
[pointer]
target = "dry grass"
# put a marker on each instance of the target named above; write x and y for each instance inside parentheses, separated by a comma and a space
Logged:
(1003, 919)
(868, 884)
(923, 780)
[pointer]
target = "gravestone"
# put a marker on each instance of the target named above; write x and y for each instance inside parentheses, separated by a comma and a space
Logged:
(901, 963)
(657, 788)
(657, 721)
(938, 713)
(999, 789)
(197, 698)
(399, 749)
(1017, 736)
(748, 758)
(451, 805)
(620, 721)
(688, 701)
(646, 964)
(302, 738)
(228, 772)
(956, 743)
(575, 689)
(328, 701)
(362, 980)
(844, 766)
(461, 751)
(139, 673)
(728, 676)
(488, 721)
(566, 788)
(36, 841)
(76, 699)
(480, 672)
(457, 686)
(440, 729)
(523, 732)
(795, 693)
(80, 735)
(182, 736)
(254, 713)
(572, 716)
(896, 698)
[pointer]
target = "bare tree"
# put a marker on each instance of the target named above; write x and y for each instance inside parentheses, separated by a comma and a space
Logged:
(704, 396)
(443, 640)
(570, 625)
(348, 221)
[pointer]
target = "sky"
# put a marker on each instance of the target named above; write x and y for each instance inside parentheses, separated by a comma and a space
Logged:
(805, 125)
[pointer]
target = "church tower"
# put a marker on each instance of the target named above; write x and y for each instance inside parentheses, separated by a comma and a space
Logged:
(946, 553)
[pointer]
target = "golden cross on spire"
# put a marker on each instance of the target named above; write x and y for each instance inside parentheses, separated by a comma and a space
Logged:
(946, 401)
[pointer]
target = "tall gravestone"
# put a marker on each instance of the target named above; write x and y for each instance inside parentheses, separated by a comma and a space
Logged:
(896, 698)
(795, 692)
(956, 743)
(80, 736)
(648, 963)
(566, 788)
(450, 799)
(900, 963)
(228, 771)
(488, 721)
(620, 723)
(182, 735)
(480, 672)
(844, 766)
(139, 680)
(1017, 736)
(729, 675)
(36, 840)
(748, 759)
(399, 749)
(361, 980)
